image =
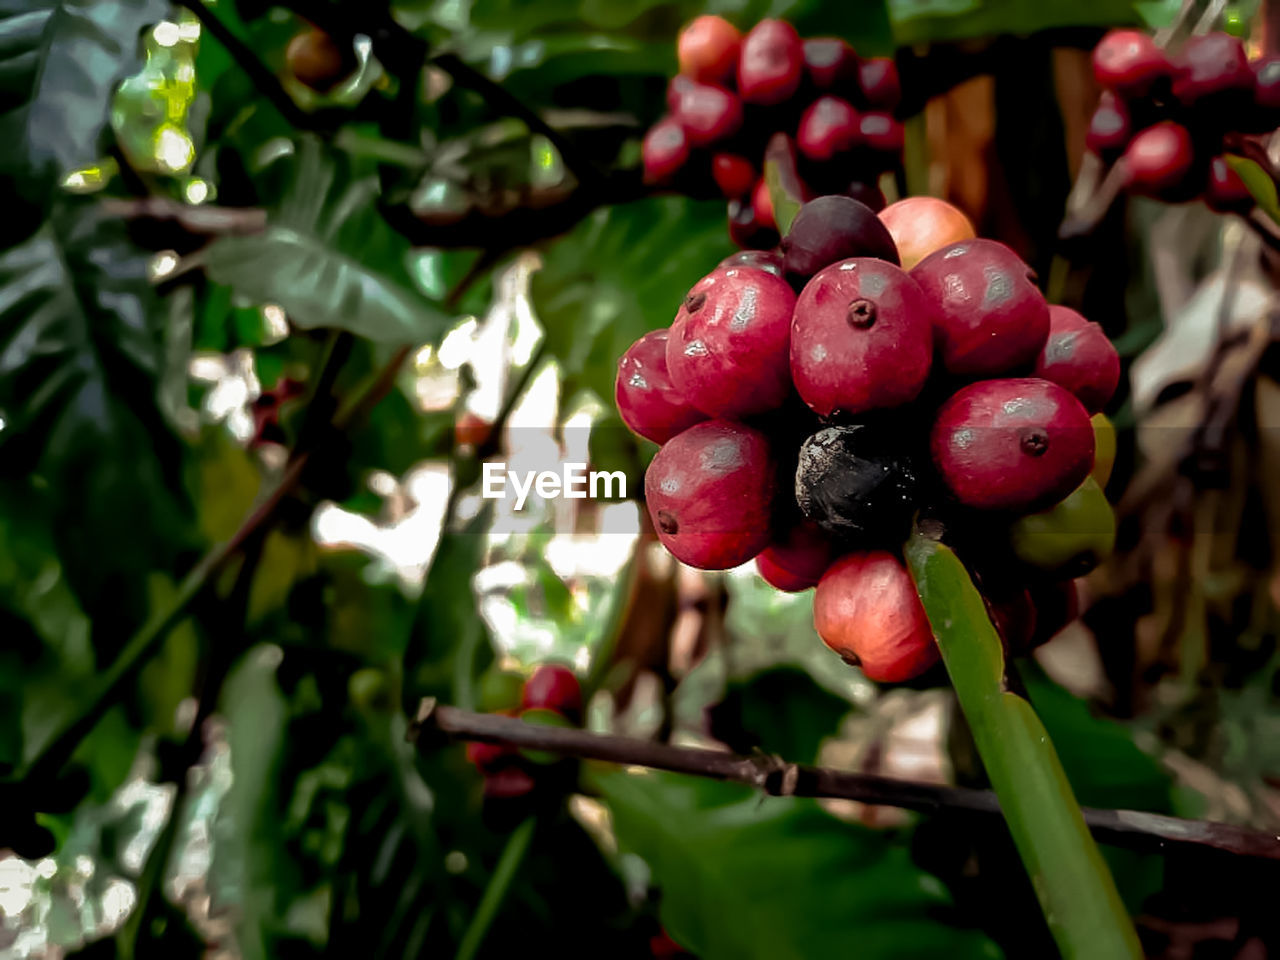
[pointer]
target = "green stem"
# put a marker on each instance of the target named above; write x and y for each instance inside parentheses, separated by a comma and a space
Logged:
(1076, 891)
(496, 891)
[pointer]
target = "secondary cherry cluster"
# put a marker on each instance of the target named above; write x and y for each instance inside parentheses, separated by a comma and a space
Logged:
(734, 92)
(1174, 118)
(810, 401)
(552, 697)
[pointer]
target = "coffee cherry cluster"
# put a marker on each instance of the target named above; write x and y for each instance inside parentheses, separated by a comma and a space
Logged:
(734, 92)
(1172, 117)
(811, 400)
(552, 697)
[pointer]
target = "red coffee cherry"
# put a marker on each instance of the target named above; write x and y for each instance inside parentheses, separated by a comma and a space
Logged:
(862, 338)
(747, 226)
(553, 686)
(866, 609)
(828, 128)
(866, 193)
(648, 401)
(771, 64)
(798, 560)
(769, 261)
(762, 202)
(665, 151)
(707, 49)
(710, 494)
(881, 88)
(1266, 90)
(487, 757)
(1110, 127)
(1213, 69)
(1080, 357)
(831, 64)
(1225, 191)
(884, 136)
(1129, 62)
(1161, 160)
(679, 85)
(1057, 605)
(318, 61)
(1012, 445)
(508, 783)
(708, 114)
(992, 317)
(734, 175)
(727, 353)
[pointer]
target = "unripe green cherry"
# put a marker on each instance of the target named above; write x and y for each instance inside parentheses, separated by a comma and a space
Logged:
(545, 718)
(1104, 448)
(1071, 537)
(499, 690)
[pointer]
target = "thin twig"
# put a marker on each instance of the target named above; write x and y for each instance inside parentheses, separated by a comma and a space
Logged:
(210, 220)
(1132, 829)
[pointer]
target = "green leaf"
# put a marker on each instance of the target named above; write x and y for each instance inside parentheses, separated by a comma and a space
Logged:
(247, 869)
(932, 21)
(60, 61)
(1075, 888)
(328, 257)
(781, 712)
(449, 645)
(1260, 184)
(746, 877)
(785, 206)
(83, 353)
(619, 274)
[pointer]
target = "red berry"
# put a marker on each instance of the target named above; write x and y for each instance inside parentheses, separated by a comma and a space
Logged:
(771, 64)
(710, 494)
(831, 64)
(828, 128)
(798, 560)
(1129, 62)
(1266, 90)
(1160, 160)
(508, 783)
(992, 316)
(1057, 604)
(487, 756)
(553, 686)
(829, 229)
(1226, 192)
(769, 261)
(762, 202)
(866, 609)
(882, 135)
(677, 88)
(648, 401)
(747, 228)
(862, 338)
(664, 151)
(866, 193)
(727, 352)
(1079, 356)
(734, 175)
(1211, 68)
(1110, 127)
(1012, 445)
(707, 49)
(1013, 613)
(708, 113)
(878, 78)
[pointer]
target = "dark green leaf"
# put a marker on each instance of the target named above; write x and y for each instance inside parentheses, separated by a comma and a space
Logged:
(82, 351)
(328, 257)
(748, 877)
(60, 60)
(931, 21)
(619, 274)
(782, 712)
(449, 646)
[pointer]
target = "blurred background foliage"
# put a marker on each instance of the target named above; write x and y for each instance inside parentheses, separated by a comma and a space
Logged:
(278, 330)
